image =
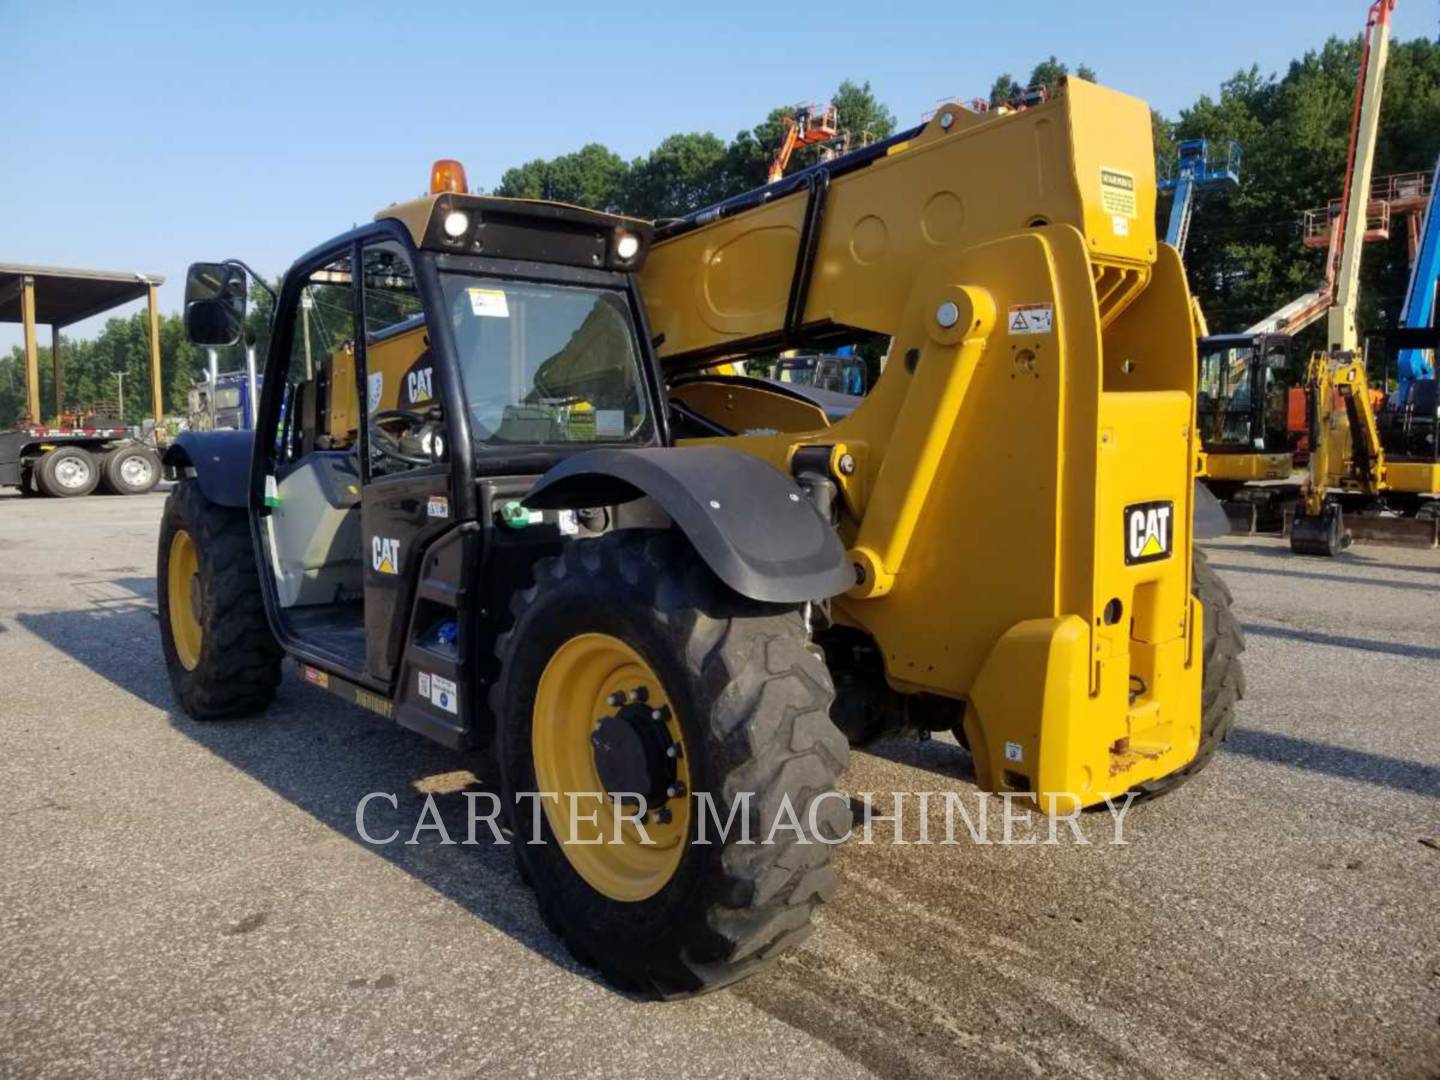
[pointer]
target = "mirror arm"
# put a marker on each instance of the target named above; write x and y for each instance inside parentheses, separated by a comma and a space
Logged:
(254, 277)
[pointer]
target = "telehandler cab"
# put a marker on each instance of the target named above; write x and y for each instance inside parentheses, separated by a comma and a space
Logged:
(501, 492)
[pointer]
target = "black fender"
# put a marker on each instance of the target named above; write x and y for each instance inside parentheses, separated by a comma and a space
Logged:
(1211, 520)
(752, 525)
(220, 461)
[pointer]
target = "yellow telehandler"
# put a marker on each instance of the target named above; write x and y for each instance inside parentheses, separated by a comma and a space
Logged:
(510, 489)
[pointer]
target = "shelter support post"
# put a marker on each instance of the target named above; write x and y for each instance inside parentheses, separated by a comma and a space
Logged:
(153, 321)
(32, 358)
(59, 374)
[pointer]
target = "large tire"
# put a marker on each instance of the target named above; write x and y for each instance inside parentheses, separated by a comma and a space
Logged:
(28, 490)
(752, 702)
(231, 667)
(130, 469)
(1222, 678)
(67, 472)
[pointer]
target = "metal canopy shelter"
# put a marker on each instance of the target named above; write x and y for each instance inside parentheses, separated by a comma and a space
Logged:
(59, 297)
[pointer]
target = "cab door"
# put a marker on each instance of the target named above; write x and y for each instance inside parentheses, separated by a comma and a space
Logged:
(406, 497)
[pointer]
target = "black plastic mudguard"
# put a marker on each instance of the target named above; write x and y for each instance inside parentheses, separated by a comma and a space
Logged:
(220, 460)
(751, 524)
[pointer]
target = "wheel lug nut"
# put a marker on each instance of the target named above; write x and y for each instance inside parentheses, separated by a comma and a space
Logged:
(641, 694)
(616, 699)
(674, 791)
(657, 714)
(672, 752)
(661, 816)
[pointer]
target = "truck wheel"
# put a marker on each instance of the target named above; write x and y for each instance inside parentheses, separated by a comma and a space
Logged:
(130, 470)
(1222, 679)
(631, 668)
(219, 652)
(66, 471)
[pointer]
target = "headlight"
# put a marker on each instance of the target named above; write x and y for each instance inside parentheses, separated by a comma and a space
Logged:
(457, 223)
(627, 247)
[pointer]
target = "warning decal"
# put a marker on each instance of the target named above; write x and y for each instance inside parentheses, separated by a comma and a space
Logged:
(443, 694)
(491, 303)
(1031, 319)
(1117, 192)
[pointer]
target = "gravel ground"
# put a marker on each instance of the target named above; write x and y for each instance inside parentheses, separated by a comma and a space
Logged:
(178, 898)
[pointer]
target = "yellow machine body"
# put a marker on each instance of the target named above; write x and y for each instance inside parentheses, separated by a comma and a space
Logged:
(1245, 467)
(1351, 454)
(389, 359)
(1040, 384)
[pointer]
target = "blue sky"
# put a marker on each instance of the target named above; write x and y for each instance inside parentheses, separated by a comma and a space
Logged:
(144, 136)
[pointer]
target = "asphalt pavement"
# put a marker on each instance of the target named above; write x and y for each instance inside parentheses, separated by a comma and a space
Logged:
(180, 898)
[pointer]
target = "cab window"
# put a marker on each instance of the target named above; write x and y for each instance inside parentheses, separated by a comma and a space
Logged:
(547, 365)
(319, 392)
(402, 400)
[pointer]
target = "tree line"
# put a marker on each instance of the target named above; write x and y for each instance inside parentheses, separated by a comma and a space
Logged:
(688, 170)
(1244, 258)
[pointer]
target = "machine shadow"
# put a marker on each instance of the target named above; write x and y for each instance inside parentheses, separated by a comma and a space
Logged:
(1341, 579)
(1338, 761)
(1280, 552)
(941, 756)
(1342, 641)
(323, 756)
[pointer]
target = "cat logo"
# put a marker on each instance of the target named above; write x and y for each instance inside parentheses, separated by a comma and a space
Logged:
(385, 555)
(417, 384)
(1148, 532)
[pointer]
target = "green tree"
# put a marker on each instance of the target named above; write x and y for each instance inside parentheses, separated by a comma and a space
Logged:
(592, 176)
(1051, 72)
(860, 112)
(91, 369)
(683, 173)
(1003, 89)
(1245, 257)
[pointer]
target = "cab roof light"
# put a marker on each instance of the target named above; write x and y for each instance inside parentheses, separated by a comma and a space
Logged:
(627, 245)
(448, 175)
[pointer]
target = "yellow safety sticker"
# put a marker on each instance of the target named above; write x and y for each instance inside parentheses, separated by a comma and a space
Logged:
(1030, 319)
(489, 302)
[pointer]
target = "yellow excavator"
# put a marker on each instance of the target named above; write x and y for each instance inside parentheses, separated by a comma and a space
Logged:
(508, 498)
(1386, 460)
(1349, 455)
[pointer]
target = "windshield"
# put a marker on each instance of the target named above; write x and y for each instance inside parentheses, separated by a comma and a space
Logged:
(546, 364)
(798, 372)
(1223, 400)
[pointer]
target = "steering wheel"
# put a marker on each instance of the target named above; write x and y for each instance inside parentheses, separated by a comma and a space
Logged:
(422, 442)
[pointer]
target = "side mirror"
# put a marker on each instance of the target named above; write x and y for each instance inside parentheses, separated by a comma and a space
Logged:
(214, 303)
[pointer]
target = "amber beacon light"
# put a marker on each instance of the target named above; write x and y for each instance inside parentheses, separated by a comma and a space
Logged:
(447, 174)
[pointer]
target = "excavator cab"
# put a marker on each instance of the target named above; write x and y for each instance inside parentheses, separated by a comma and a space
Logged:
(1240, 408)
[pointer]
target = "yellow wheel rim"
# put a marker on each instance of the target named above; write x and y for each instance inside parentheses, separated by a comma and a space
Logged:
(592, 677)
(183, 585)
